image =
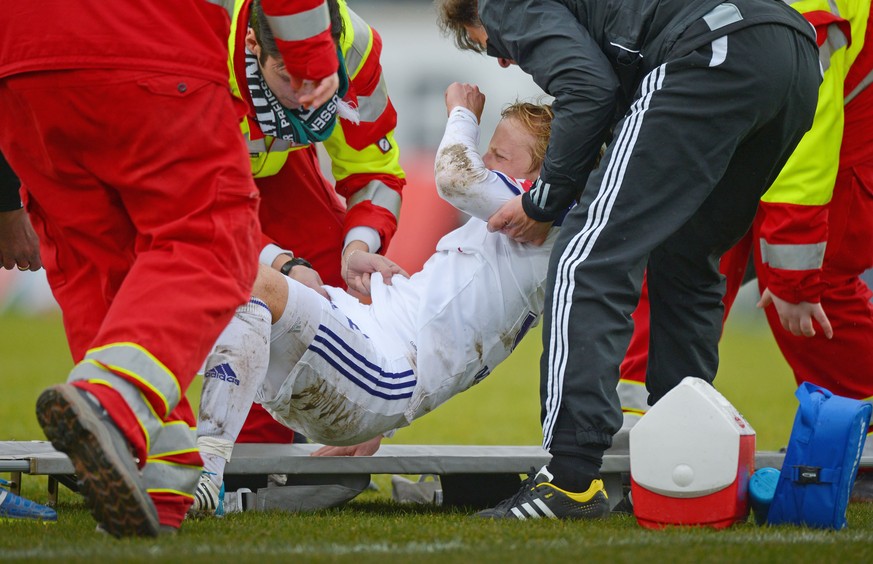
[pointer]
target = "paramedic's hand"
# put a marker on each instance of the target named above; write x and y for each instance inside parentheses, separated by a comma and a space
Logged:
(511, 220)
(359, 265)
(466, 96)
(368, 448)
(798, 318)
(19, 245)
(306, 276)
(314, 93)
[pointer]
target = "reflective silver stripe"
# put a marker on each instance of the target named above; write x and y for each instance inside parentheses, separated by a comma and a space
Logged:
(303, 25)
(226, 4)
(174, 438)
(260, 145)
(179, 479)
(793, 257)
(360, 42)
(836, 40)
(257, 146)
(633, 396)
(378, 194)
(161, 475)
(372, 106)
(280, 145)
(860, 88)
(92, 371)
(722, 15)
(138, 364)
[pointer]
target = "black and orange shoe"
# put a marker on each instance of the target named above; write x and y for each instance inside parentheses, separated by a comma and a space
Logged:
(106, 471)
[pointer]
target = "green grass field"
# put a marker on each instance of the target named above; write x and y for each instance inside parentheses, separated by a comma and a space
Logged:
(502, 410)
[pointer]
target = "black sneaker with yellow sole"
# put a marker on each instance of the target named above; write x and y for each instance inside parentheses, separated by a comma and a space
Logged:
(538, 498)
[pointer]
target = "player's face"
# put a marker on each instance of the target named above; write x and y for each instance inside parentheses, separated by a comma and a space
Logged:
(509, 150)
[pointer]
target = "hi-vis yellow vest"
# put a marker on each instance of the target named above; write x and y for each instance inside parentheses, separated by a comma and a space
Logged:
(268, 154)
(809, 175)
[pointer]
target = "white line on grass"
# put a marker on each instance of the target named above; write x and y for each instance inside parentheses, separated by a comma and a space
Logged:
(261, 548)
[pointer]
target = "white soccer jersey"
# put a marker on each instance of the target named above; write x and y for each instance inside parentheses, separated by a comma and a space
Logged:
(369, 369)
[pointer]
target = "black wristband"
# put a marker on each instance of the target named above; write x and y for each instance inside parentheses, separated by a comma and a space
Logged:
(296, 261)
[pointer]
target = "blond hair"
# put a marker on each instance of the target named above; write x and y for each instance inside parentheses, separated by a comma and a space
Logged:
(537, 120)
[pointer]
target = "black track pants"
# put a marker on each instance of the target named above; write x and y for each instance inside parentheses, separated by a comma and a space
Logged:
(705, 137)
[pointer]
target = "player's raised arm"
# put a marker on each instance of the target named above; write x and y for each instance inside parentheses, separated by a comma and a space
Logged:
(462, 177)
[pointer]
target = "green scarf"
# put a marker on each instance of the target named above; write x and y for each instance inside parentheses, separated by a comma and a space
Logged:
(301, 126)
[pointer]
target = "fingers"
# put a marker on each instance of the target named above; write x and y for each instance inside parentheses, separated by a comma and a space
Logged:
(389, 270)
(322, 92)
(357, 284)
(825, 323)
(21, 265)
(331, 451)
(497, 222)
(805, 327)
(537, 241)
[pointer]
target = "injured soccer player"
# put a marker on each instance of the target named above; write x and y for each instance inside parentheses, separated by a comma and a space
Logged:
(344, 373)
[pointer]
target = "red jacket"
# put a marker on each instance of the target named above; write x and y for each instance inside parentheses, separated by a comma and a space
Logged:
(177, 36)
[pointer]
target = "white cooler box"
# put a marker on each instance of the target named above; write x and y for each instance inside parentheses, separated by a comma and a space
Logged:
(691, 456)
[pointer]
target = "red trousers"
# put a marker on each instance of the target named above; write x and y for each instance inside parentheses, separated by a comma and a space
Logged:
(300, 211)
(139, 187)
(844, 364)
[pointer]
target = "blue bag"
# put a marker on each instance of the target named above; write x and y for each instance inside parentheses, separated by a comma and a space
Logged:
(821, 461)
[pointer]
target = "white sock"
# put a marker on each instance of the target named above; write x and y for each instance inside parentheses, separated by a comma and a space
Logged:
(235, 370)
(215, 454)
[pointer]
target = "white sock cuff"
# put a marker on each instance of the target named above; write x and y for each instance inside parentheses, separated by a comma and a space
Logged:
(256, 307)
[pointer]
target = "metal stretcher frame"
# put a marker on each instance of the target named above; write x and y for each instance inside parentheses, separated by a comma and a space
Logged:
(40, 458)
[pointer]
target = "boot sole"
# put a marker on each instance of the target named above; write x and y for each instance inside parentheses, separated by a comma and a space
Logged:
(110, 485)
